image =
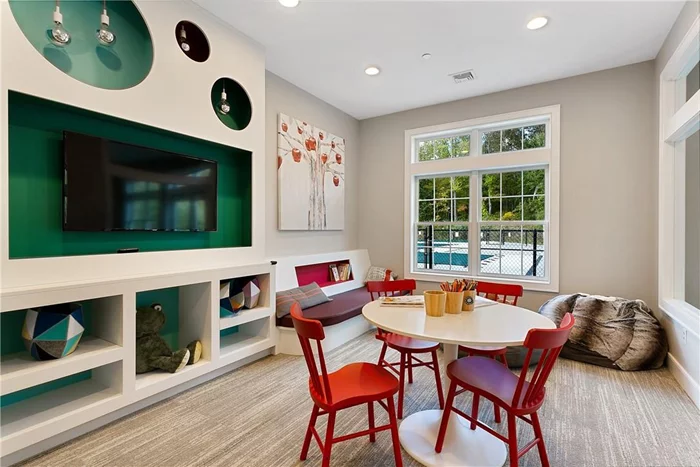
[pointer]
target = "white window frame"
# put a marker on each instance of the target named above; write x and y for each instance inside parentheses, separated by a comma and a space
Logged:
(678, 119)
(476, 162)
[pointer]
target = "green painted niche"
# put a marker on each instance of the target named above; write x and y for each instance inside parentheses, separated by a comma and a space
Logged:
(241, 111)
(36, 183)
(123, 65)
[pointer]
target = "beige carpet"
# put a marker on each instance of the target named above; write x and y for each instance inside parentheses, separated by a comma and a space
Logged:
(256, 416)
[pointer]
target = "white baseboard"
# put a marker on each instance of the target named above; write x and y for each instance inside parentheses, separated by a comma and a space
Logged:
(689, 385)
(50, 443)
(336, 335)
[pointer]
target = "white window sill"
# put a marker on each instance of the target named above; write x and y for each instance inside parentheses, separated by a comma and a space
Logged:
(683, 313)
(534, 286)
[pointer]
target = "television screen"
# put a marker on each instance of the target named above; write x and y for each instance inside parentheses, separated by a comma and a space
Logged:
(112, 186)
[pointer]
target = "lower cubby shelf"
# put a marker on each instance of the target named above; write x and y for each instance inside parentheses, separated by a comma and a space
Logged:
(163, 380)
(43, 411)
(20, 371)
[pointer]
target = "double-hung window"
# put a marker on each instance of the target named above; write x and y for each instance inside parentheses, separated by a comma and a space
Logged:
(679, 183)
(482, 199)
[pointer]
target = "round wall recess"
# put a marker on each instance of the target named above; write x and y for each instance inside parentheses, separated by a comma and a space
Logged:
(231, 103)
(192, 41)
(123, 65)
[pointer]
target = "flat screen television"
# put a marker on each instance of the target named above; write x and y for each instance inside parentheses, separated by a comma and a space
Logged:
(111, 186)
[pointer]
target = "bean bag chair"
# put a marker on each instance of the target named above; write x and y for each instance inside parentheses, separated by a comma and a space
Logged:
(610, 331)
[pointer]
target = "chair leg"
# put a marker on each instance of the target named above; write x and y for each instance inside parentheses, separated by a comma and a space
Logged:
(307, 438)
(438, 381)
(328, 444)
(496, 413)
(445, 417)
(409, 361)
(394, 432)
(402, 373)
(370, 414)
(475, 411)
(382, 355)
(540, 444)
(512, 441)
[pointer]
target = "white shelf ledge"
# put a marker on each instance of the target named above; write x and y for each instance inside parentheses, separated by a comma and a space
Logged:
(20, 371)
(63, 408)
(158, 380)
(245, 316)
(240, 345)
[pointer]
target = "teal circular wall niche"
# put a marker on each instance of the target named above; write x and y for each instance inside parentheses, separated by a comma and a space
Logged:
(237, 101)
(123, 65)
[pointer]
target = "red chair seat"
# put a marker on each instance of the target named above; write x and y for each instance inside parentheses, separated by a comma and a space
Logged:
(409, 344)
(357, 383)
(490, 378)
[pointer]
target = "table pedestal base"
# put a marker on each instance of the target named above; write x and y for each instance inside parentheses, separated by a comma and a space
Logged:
(463, 447)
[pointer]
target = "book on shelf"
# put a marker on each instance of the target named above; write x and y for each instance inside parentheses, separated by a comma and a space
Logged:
(344, 271)
(411, 301)
(335, 275)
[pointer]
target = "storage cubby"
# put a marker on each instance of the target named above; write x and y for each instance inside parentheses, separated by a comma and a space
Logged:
(100, 344)
(62, 401)
(245, 340)
(188, 312)
(245, 315)
(321, 273)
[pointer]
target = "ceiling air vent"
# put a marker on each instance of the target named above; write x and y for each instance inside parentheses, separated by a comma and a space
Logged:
(463, 76)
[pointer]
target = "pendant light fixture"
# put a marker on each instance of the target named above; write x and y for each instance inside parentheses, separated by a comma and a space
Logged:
(223, 107)
(104, 35)
(58, 34)
(184, 45)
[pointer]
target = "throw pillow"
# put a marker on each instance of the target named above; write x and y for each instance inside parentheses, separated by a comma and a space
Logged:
(307, 296)
(377, 273)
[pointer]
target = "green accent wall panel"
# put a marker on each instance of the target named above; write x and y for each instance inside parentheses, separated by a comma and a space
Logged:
(36, 183)
(34, 391)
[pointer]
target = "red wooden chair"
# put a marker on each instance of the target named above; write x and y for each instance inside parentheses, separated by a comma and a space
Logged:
(519, 397)
(503, 293)
(406, 346)
(352, 385)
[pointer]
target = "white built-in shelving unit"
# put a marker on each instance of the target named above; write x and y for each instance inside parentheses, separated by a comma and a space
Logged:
(108, 348)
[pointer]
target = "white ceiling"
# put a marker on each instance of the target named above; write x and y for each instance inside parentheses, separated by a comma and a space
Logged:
(323, 47)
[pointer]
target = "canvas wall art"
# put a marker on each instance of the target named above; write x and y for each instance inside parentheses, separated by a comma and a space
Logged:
(311, 177)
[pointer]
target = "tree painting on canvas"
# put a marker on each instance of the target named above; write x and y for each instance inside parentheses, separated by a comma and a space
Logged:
(310, 177)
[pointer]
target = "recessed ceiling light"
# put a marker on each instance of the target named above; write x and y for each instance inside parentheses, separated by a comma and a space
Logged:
(289, 3)
(537, 23)
(426, 56)
(372, 70)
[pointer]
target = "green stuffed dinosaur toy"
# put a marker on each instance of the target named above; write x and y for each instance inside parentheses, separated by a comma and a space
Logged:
(152, 352)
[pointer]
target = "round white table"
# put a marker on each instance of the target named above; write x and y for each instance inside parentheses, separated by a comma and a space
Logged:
(490, 324)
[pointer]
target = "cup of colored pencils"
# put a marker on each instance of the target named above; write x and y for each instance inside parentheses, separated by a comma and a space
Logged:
(469, 295)
(455, 296)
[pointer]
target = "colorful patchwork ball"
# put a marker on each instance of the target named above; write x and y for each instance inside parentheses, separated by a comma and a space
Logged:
(232, 298)
(53, 331)
(251, 292)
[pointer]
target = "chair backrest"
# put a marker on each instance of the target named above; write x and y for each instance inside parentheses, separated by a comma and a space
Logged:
(312, 330)
(390, 288)
(504, 293)
(550, 341)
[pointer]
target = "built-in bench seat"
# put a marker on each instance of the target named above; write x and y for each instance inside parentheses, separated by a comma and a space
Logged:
(342, 307)
(341, 317)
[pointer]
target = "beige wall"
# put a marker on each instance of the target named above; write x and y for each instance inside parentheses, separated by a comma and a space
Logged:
(692, 203)
(282, 96)
(608, 177)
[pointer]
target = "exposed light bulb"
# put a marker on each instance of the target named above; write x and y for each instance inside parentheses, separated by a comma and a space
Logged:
(223, 107)
(58, 34)
(372, 70)
(184, 45)
(104, 35)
